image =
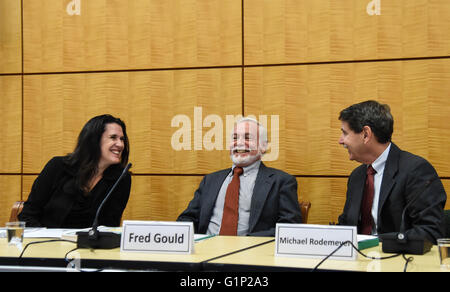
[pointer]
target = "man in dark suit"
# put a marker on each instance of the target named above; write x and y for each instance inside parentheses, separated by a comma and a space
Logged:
(264, 196)
(389, 179)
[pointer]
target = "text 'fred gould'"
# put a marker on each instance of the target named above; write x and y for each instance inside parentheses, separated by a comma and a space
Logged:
(157, 237)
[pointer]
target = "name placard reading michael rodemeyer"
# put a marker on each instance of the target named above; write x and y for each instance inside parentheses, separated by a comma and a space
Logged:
(315, 241)
(157, 237)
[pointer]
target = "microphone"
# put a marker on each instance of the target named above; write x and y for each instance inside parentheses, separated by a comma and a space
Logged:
(94, 238)
(399, 242)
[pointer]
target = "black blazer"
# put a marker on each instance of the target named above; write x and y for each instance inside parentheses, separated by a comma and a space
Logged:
(54, 193)
(403, 173)
(274, 201)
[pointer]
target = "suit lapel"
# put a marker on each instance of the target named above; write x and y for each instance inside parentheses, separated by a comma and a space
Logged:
(390, 171)
(263, 184)
(212, 192)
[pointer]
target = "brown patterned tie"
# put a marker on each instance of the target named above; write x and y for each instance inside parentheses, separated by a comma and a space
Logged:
(366, 206)
(231, 206)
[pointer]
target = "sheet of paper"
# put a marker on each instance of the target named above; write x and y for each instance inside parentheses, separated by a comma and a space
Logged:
(46, 232)
(37, 232)
(362, 237)
(67, 233)
(200, 237)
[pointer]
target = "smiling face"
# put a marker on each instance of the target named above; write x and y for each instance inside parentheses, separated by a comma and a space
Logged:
(353, 142)
(111, 145)
(245, 148)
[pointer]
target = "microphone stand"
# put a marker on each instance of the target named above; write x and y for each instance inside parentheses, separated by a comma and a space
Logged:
(400, 242)
(94, 238)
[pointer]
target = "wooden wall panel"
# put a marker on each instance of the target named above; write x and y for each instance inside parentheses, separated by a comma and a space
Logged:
(327, 197)
(308, 100)
(447, 205)
(288, 31)
(160, 198)
(27, 183)
(57, 107)
(438, 124)
(10, 36)
(10, 192)
(117, 35)
(446, 183)
(11, 124)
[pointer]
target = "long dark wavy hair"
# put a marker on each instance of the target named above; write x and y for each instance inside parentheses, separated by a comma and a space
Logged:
(86, 156)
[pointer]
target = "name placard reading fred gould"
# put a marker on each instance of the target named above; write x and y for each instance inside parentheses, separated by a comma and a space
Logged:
(315, 241)
(157, 237)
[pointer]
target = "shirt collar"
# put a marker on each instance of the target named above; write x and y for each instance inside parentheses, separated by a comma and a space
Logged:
(380, 162)
(248, 169)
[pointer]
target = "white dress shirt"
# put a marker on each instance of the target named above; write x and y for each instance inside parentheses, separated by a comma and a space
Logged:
(378, 165)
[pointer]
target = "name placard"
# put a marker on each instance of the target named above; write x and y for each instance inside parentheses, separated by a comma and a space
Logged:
(157, 237)
(315, 241)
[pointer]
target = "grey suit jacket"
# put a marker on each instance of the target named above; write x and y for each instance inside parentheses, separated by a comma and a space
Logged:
(274, 201)
(404, 173)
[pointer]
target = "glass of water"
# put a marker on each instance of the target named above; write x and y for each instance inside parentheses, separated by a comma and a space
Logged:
(14, 232)
(444, 249)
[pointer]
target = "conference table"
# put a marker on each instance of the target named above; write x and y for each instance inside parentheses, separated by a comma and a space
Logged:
(218, 253)
(263, 259)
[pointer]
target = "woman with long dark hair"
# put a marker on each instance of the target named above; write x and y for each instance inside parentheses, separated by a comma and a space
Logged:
(70, 188)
